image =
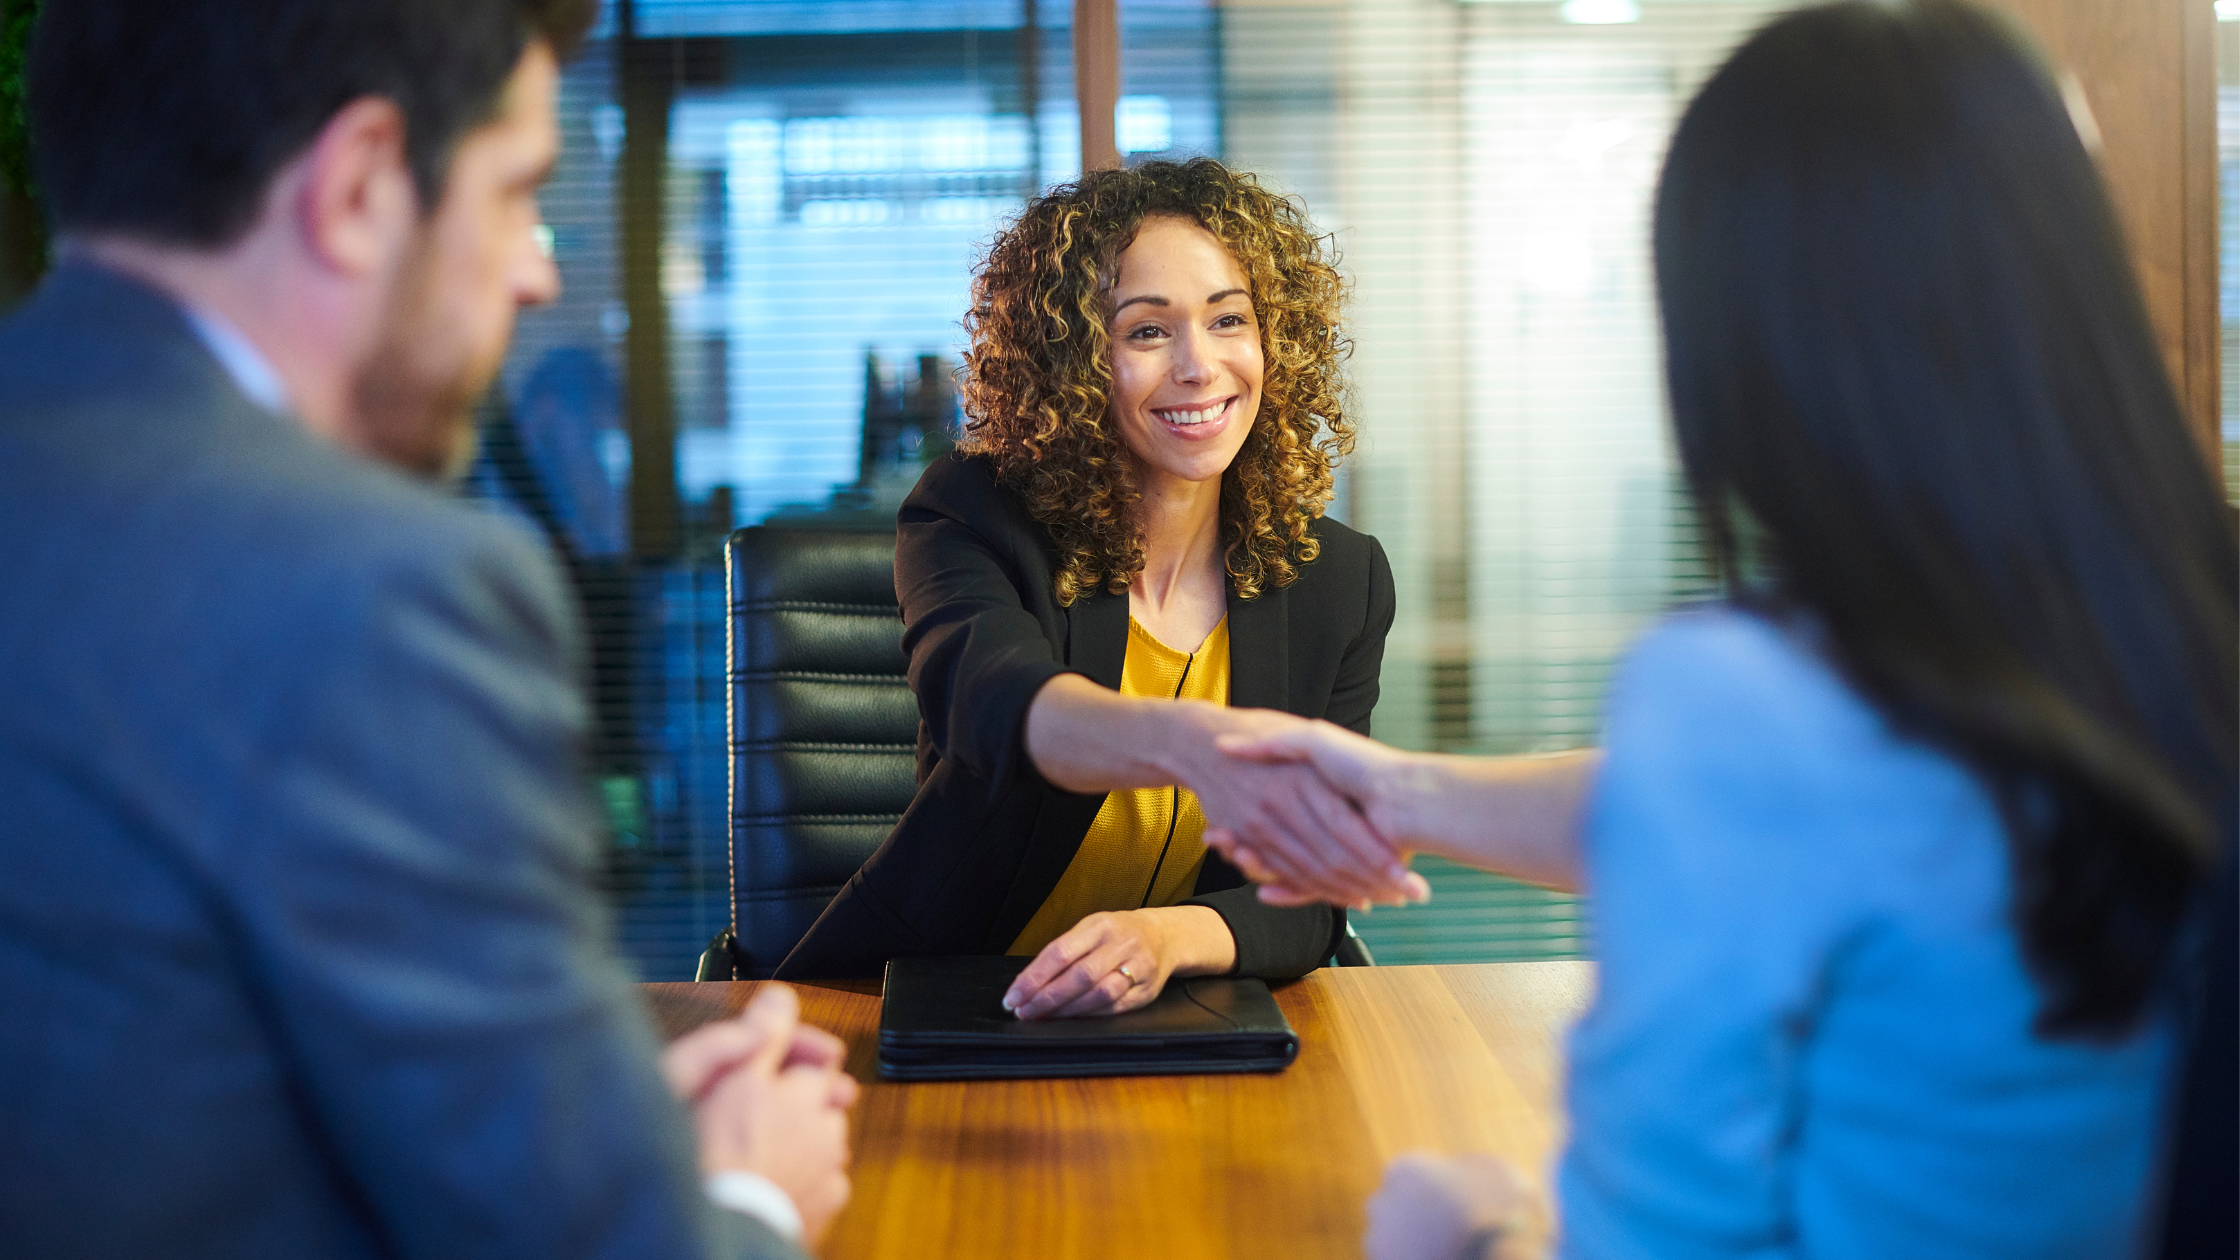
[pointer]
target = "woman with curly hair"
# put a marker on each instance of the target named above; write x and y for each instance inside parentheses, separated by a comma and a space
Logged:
(1128, 542)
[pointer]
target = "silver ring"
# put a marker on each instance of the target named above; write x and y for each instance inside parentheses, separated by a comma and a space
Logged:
(1129, 974)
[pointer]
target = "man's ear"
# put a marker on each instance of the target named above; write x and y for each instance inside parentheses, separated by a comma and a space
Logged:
(356, 203)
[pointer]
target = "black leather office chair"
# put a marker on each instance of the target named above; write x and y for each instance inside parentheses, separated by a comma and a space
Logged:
(823, 732)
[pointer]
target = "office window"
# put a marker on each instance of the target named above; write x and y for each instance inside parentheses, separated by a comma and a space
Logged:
(828, 173)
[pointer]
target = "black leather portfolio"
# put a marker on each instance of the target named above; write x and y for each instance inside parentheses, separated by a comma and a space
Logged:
(943, 1020)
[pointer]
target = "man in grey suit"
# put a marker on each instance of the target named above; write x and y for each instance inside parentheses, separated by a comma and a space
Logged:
(298, 950)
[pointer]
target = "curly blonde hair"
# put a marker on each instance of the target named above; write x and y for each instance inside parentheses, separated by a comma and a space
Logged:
(1038, 377)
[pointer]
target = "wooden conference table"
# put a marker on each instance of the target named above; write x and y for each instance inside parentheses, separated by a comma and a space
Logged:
(1390, 1059)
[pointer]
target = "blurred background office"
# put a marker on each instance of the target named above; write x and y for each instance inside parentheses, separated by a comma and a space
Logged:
(767, 213)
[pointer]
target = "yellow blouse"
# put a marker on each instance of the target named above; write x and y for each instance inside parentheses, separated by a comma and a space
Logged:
(1146, 845)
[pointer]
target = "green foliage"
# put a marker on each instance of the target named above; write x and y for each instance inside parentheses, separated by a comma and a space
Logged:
(16, 17)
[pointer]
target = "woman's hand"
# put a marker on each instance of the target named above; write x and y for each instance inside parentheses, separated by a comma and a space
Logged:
(1282, 804)
(1299, 865)
(1456, 1207)
(1518, 815)
(1109, 963)
(1085, 738)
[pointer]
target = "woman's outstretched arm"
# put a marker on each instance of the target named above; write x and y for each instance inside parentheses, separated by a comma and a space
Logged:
(1086, 738)
(1516, 815)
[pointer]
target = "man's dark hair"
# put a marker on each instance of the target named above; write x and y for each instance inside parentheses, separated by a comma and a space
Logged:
(167, 119)
(1908, 359)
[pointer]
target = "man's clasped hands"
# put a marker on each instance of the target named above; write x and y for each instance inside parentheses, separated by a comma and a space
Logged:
(769, 1098)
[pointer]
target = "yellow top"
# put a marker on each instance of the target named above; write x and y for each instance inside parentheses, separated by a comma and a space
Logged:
(1146, 845)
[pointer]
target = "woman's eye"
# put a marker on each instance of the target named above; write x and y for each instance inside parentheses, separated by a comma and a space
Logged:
(1146, 333)
(1231, 320)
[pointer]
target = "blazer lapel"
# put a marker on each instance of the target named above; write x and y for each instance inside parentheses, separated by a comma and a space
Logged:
(1260, 650)
(1097, 637)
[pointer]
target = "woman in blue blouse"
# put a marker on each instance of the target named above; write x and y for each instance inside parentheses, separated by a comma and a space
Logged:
(1891, 857)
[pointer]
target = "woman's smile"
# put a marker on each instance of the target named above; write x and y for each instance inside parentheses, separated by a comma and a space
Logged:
(1197, 421)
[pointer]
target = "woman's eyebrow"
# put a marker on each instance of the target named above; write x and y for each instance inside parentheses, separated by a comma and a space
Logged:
(1155, 300)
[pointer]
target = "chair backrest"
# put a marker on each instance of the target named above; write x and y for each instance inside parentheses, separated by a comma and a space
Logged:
(823, 726)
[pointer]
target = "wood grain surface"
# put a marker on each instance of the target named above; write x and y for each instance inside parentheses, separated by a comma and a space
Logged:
(1391, 1059)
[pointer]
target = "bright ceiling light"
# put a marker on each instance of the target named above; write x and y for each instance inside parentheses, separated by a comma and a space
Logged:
(1610, 12)
(2228, 10)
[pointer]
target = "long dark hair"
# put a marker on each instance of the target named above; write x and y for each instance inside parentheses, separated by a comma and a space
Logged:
(1906, 354)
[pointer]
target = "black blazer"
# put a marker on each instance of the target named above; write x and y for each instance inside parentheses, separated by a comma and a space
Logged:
(988, 837)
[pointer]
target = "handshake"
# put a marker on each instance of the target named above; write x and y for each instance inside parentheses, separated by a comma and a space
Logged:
(1311, 811)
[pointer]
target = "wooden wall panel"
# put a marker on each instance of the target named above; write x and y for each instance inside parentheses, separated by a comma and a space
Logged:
(1096, 80)
(2149, 69)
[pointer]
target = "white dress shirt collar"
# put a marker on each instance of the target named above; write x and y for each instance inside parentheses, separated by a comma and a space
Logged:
(248, 367)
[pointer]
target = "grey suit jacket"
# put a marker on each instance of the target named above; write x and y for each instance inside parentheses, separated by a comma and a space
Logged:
(299, 954)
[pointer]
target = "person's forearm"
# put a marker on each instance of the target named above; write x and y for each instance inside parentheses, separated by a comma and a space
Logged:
(1520, 816)
(1087, 738)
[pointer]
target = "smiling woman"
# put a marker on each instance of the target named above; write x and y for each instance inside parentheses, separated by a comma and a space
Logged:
(1047, 312)
(1126, 555)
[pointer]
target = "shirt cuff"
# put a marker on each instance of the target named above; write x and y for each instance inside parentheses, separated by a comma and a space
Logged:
(1483, 1245)
(752, 1194)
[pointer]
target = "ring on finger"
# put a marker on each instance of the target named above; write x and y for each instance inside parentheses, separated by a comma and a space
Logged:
(1131, 976)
